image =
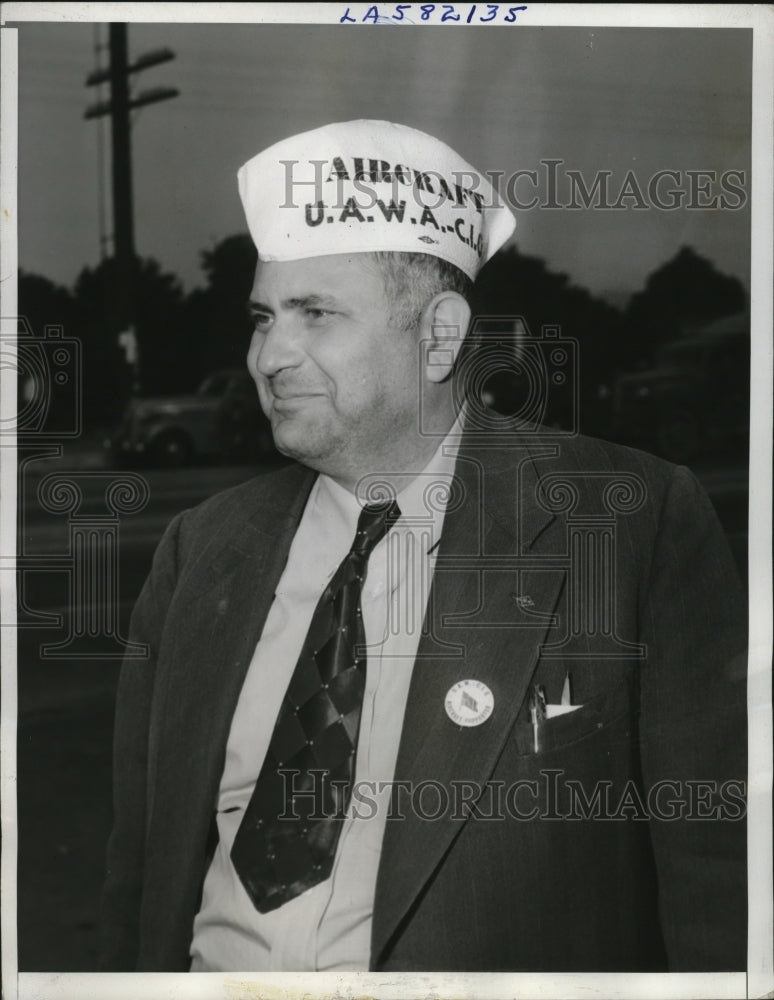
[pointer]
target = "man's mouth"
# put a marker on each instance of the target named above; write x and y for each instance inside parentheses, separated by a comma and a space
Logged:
(288, 400)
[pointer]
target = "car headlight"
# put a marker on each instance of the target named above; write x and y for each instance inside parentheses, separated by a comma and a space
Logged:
(144, 419)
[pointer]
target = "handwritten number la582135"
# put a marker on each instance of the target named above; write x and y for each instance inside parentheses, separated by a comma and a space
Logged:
(443, 13)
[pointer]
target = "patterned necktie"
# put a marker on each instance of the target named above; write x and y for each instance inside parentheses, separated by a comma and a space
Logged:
(287, 839)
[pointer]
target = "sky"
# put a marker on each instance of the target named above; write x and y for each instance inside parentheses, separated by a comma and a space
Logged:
(506, 98)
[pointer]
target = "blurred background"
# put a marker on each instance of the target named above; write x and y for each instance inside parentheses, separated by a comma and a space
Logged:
(135, 267)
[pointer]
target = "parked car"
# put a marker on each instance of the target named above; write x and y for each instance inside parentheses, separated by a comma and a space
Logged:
(222, 420)
(695, 399)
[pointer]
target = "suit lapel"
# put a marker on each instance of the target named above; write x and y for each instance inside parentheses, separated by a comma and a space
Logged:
(483, 623)
(219, 614)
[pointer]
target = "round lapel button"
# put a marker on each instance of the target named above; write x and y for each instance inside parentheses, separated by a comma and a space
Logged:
(469, 702)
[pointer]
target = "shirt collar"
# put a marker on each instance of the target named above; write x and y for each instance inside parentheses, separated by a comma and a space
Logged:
(427, 494)
(422, 501)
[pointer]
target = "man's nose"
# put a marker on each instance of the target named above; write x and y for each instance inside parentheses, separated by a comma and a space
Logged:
(276, 349)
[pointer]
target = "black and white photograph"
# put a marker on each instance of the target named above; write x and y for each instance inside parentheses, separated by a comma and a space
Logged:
(386, 500)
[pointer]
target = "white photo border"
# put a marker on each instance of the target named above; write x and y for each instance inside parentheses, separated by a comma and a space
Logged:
(759, 979)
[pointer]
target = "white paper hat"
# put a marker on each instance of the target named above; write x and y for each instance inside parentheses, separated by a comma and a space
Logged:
(360, 186)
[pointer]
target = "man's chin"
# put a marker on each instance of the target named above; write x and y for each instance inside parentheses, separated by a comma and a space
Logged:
(299, 440)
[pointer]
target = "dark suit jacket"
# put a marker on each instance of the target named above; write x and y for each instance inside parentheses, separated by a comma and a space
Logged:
(600, 878)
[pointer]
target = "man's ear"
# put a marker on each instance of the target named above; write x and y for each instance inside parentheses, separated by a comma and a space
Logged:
(443, 328)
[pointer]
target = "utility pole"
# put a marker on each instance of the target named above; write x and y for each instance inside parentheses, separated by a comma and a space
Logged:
(123, 216)
(118, 107)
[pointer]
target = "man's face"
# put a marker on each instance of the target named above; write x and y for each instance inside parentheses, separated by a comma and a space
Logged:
(338, 382)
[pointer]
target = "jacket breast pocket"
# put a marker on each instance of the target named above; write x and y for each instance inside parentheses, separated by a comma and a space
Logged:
(615, 708)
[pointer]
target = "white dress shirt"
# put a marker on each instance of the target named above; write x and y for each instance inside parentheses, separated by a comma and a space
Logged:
(328, 927)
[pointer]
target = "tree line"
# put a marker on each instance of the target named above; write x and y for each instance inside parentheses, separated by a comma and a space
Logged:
(183, 337)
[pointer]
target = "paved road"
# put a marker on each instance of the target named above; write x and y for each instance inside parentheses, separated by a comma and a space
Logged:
(66, 714)
(65, 720)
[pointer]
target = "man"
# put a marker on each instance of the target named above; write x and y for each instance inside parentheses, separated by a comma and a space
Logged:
(502, 728)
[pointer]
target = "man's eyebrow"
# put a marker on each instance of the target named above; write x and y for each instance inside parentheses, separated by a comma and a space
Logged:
(253, 306)
(313, 300)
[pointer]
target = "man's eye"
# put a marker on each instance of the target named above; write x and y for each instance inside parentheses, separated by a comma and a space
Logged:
(261, 321)
(317, 313)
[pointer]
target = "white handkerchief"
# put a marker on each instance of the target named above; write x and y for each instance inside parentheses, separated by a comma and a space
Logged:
(553, 710)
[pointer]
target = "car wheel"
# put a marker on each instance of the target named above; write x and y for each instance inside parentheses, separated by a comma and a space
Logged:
(171, 450)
